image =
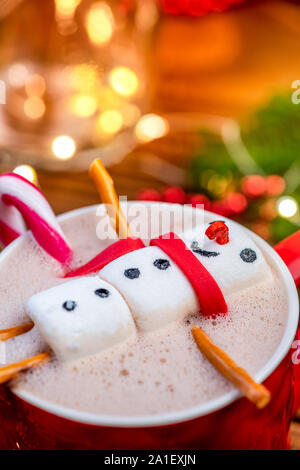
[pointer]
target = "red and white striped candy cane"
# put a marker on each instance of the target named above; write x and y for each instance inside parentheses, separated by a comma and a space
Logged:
(21, 202)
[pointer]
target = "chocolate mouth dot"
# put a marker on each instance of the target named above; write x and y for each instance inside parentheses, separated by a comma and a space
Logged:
(132, 273)
(69, 305)
(162, 264)
(196, 249)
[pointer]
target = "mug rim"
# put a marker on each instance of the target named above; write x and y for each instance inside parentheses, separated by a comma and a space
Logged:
(196, 411)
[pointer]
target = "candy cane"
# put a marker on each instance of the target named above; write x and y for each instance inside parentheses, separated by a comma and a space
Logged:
(21, 201)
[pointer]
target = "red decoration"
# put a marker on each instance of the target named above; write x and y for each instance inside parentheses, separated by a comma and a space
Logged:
(149, 195)
(109, 254)
(174, 194)
(254, 186)
(275, 185)
(199, 199)
(209, 294)
(196, 7)
(218, 231)
(220, 207)
(236, 203)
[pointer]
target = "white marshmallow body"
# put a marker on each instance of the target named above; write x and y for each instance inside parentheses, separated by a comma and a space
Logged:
(158, 296)
(228, 268)
(94, 324)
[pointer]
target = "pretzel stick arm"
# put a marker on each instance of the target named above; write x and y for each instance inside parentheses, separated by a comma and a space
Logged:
(106, 189)
(9, 372)
(255, 392)
(15, 331)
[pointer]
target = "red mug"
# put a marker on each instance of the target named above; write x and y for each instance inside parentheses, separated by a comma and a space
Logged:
(227, 422)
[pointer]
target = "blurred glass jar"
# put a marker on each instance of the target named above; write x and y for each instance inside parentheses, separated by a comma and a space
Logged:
(75, 77)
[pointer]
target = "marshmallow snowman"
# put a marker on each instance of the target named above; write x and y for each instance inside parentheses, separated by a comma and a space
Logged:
(155, 289)
(235, 265)
(86, 315)
(158, 292)
(81, 317)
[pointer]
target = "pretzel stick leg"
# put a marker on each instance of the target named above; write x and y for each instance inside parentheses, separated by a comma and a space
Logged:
(9, 372)
(256, 393)
(106, 189)
(15, 331)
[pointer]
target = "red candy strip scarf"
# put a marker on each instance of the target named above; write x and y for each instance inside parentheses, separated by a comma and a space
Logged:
(109, 254)
(209, 294)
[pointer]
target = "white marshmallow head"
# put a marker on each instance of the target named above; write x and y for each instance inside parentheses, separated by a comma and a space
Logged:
(81, 317)
(155, 289)
(236, 265)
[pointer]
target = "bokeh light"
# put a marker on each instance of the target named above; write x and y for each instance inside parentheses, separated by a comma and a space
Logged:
(124, 81)
(237, 203)
(35, 85)
(268, 210)
(34, 107)
(108, 98)
(63, 147)
(66, 8)
(99, 23)
(287, 206)
(110, 121)
(17, 74)
(84, 78)
(254, 185)
(275, 185)
(83, 105)
(27, 172)
(151, 126)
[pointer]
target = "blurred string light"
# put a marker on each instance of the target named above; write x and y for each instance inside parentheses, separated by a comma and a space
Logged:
(110, 122)
(83, 105)
(99, 23)
(151, 126)
(287, 206)
(65, 9)
(17, 75)
(34, 107)
(63, 147)
(84, 77)
(254, 186)
(275, 185)
(236, 203)
(124, 81)
(146, 15)
(27, 172)
(108, 98)
(217, 184)
(64, 14)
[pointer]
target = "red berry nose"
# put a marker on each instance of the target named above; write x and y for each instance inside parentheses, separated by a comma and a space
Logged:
(218, 231)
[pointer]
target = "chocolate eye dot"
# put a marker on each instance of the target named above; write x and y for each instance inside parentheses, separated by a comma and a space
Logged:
(103, 293)
(69, 305)
(248, 255)
(162, 264)
(132, 273)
